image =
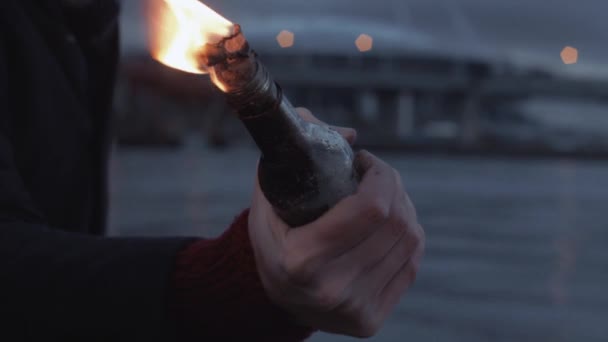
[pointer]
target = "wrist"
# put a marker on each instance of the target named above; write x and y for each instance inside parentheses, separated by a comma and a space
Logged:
(217, 292)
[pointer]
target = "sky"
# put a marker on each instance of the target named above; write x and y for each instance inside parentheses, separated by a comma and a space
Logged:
(524, 32)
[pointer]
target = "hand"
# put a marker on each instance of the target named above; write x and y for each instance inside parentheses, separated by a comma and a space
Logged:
(344, 272)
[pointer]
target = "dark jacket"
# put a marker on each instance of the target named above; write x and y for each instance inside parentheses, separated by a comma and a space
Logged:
(59, 280)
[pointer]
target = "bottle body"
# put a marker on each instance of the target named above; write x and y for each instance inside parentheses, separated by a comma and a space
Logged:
(304, 178)
(305, 168)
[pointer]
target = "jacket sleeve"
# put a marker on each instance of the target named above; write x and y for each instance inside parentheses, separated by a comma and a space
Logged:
(63, 284)
(58, 284)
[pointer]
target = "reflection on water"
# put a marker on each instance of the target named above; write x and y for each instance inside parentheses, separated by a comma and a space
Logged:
(515, 248)
(566, 240)
(566, 258)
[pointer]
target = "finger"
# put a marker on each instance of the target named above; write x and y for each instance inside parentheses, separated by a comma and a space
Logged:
(354, 218)
(265, 242)
(363, 162)
(396, 289)
(401, 281)
(374, 280)
(380, 305)
(264, 212)
(405, 198)
(350, 134)
(362, 258)
(407, 251)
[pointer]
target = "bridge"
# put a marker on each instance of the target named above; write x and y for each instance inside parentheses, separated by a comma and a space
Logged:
(400, 93)
(393, 97)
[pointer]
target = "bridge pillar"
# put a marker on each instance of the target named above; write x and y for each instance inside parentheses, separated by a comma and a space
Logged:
(314, 100)
(470, 116)
(368, 106)
(405, 111)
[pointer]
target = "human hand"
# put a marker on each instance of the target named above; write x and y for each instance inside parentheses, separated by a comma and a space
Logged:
(344, 272)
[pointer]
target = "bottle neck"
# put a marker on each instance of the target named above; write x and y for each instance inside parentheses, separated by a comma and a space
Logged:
(271, 120)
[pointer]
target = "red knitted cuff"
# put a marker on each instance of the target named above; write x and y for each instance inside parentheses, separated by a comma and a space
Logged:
(218, 295)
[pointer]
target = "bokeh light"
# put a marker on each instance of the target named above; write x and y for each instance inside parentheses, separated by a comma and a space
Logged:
(364, 42)
(285, 39)
(569, 55)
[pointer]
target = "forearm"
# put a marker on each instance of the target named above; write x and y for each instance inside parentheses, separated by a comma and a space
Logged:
(218, 295)
(59, 284)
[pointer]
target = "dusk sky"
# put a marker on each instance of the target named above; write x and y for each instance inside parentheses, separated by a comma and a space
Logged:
(527, 32)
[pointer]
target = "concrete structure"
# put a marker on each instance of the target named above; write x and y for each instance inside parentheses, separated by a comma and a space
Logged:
(401, 93)
(396, 99)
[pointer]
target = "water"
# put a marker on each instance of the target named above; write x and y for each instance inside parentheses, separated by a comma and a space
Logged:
(515, 248)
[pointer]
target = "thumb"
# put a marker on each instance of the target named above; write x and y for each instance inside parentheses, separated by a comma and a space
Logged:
(264, 212)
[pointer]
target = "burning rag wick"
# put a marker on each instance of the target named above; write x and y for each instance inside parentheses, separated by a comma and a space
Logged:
(230, 62)
(225, 50)
(179, 28)
(196, 39)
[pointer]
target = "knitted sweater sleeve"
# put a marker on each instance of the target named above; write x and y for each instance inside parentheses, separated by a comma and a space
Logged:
(217, 294)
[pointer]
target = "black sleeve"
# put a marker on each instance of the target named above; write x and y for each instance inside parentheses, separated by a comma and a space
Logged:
(95, 18)
(57, 286)
(54, 283)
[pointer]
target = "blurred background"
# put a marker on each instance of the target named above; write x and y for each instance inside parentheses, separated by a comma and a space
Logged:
(495, 113)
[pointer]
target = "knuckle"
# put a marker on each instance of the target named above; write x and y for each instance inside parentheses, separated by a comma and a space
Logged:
(413, 272)
(406, 248)
(422, 232)
(414, 241)
(375, 211)
(397, 229)
(368, 326)
(364, 321)
(328, 298)
(419, 236)
(399, 222)
(297, 269)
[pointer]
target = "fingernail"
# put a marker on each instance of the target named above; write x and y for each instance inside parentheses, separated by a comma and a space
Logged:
(350, 134)
(363, 162)
(350, 131)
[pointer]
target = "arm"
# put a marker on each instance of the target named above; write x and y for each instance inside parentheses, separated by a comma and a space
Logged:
(218, 295)
(59, 284)
(342, 273)
(62, 284)
(55, 284)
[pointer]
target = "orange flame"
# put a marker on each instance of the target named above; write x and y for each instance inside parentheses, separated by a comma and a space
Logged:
(179, 29)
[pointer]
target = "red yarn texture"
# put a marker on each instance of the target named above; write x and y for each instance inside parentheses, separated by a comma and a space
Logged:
(217, 294)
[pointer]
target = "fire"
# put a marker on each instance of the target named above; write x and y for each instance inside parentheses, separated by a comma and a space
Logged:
(179, 29)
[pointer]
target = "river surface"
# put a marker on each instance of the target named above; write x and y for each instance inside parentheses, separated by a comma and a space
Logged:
(516, 249)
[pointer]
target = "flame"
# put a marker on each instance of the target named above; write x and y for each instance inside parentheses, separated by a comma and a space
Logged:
(179, 29)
